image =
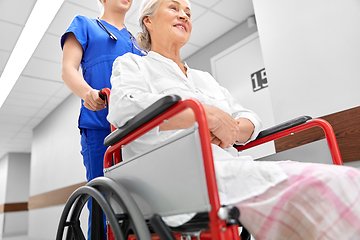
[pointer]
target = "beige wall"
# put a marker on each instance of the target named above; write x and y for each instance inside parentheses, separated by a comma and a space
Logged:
(312, 55)
(14, 185)
(201, 59)
(4, 162)
(56, 163)
(18, 177)
(3, 181)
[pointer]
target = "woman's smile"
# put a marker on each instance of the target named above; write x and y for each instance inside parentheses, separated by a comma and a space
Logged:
(180, 26)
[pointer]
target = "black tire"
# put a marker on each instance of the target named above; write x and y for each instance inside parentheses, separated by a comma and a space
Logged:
(76, 202)
(132, 221)
(101, 189)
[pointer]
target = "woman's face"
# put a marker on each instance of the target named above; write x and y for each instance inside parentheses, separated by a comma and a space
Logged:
(172, 21)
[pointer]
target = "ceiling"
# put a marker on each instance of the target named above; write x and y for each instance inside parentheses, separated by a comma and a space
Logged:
(40, 89)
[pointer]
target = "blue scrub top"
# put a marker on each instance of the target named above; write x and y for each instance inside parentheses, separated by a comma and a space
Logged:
(100, 51)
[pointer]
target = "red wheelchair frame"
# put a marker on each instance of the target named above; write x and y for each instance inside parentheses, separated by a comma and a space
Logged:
(219, 230)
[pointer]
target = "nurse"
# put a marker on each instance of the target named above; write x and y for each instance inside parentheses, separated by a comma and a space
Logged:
(93, 45)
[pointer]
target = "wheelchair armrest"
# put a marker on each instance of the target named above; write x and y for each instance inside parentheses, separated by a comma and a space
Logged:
(297, 125)
(154, 110)
(283, 126)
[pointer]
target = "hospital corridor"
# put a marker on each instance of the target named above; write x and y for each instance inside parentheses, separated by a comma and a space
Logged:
(282, 60)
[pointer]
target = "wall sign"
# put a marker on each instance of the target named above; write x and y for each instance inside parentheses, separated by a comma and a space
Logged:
(259, 80)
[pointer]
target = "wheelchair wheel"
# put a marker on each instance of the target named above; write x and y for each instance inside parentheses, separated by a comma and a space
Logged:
(245, 235)
(103, 190)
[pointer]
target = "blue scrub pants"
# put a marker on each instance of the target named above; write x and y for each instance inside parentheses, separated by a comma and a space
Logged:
(93, 150)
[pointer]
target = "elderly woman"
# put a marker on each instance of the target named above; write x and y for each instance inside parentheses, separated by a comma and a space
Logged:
(277, 200)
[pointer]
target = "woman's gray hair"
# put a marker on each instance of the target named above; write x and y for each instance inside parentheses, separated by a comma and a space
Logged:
(146, 9)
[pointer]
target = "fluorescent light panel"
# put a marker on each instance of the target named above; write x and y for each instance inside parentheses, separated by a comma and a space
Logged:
(38, 22)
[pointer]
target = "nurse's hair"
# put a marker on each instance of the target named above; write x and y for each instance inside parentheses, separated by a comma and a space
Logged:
(148, 8)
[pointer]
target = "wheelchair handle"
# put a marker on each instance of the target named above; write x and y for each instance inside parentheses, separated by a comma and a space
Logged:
(102, 96)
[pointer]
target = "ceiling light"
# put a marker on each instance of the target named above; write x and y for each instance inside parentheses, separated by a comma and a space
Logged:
(38, 22)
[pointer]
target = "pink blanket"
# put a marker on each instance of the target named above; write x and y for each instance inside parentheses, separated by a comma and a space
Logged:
(316, 202)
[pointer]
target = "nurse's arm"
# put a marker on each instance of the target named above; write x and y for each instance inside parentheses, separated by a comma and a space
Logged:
(72, 54)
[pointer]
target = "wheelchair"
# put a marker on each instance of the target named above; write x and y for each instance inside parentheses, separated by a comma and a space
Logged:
(135, 194)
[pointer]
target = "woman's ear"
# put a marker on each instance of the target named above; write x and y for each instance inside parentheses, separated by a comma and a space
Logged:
(147, 22)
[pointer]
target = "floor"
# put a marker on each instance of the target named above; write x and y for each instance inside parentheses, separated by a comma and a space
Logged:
(17, 238)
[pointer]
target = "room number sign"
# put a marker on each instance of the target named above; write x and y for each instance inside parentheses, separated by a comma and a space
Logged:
(259, 80)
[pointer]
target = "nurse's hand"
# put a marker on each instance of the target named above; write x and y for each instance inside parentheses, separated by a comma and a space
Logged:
(92, 100)
(224, 129)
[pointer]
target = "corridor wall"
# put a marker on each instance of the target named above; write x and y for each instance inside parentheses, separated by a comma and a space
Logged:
(312, 55)
(56, 164)
(14, 194)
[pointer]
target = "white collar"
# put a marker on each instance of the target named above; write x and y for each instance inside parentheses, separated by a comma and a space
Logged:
(159, 57)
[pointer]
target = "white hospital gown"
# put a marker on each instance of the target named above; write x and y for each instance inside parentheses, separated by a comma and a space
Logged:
(137, 82)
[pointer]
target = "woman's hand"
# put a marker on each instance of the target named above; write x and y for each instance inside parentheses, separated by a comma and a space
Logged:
(246, 129)
(224, 128)
(92, 100)
(214, 139)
